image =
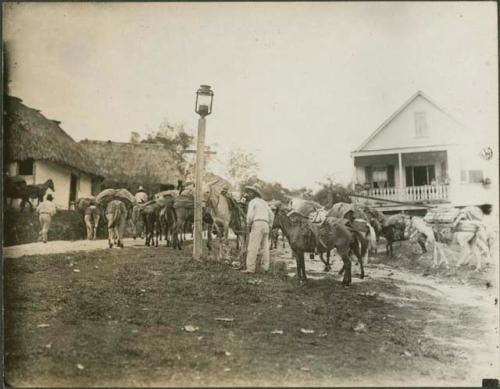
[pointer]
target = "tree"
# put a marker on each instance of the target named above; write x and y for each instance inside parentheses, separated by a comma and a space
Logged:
(271, 190)
(331, 193)
(241, 166)
(135, 137)
(173, 137)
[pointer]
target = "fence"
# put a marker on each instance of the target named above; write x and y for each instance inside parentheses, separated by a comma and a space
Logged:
(423, 193)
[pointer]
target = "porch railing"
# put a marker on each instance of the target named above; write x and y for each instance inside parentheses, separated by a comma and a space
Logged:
(424, 193)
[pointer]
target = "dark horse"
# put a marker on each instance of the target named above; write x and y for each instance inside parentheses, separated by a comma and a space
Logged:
(331, 234)
(183, 216)
(16, 188)
(151, 218)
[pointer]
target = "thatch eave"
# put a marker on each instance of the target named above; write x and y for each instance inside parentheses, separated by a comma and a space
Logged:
(30, 135)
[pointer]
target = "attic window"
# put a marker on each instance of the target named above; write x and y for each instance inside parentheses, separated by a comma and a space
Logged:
(421, 129)
(26, 167)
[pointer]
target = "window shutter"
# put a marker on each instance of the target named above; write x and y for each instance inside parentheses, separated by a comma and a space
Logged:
(368, 174)
(390, 176)
(420, 125)
(409, 176)
(475, 176)
(431, 171)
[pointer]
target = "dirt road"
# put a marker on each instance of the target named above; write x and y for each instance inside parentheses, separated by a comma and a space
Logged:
(63, 246)
(117, 317)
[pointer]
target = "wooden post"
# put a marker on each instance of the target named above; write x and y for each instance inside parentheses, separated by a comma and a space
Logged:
(400, 169)
(198, 191)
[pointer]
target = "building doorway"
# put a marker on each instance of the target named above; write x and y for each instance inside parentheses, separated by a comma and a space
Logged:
(420, 175)
(73, 187)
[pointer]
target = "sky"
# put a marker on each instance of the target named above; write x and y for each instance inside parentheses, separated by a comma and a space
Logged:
(300, 85)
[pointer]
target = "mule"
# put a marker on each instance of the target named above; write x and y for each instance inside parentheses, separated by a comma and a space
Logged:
(137, 221)
(167, 222)
(471, 242)
(226, 214)
(360, 216)
(151, 219)
(183, 218)
(394, 229)
(332, 234)
(92, 216)
(16, 188)
(116, 214)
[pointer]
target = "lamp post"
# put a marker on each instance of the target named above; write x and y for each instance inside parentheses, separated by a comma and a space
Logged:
(203, 107)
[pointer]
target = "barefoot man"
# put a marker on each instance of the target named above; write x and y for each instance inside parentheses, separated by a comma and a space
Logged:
(259, 221)
(46, 209)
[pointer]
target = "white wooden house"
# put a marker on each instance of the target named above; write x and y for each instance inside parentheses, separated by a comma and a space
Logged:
(422, 155)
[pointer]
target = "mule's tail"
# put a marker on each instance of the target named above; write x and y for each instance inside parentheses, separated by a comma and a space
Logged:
(372, 236)
(359, 245)
(113, 217)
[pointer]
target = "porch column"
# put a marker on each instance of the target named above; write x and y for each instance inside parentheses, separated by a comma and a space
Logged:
(400, 170)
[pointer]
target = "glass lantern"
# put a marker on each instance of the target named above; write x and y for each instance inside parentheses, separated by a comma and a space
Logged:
(204, 99)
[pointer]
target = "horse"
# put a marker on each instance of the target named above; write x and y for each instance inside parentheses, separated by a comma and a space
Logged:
(331, 234)
(92, 217)
(305, 207)
(226, 214)
(374, 217)
(167, 222)
(219, 208)
(16, 188)
(182, 216)
(469, 235)
(136, 220)
(116, 214)
(151, 218)
(358, 220)
(393, 230)
(91, 212)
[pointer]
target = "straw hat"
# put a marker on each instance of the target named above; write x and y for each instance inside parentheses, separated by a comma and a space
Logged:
(254, 189)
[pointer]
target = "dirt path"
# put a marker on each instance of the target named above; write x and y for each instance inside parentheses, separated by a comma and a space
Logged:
(63, 246)
(121, 313)
(456, 313)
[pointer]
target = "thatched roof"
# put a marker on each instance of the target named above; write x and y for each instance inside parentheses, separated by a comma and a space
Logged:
(30, 135)
(134, 160)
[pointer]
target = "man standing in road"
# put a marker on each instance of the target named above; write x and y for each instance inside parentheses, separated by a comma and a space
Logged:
(259, 221)
(46, 209)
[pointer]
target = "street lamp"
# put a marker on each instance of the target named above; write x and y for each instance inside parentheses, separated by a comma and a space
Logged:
(204, 99)
(203, 107)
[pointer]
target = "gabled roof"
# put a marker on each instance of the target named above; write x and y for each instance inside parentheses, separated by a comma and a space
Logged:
(30, 135)
(396, 114)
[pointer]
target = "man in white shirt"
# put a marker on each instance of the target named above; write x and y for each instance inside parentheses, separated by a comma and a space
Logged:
(46, 209)
(259, 221)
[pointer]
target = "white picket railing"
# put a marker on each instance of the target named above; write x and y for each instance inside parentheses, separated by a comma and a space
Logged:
(424, 193)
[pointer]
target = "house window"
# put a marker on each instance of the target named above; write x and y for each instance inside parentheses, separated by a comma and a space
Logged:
(421, 129)
(379, 174)
(475, 176)
(26, 167)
